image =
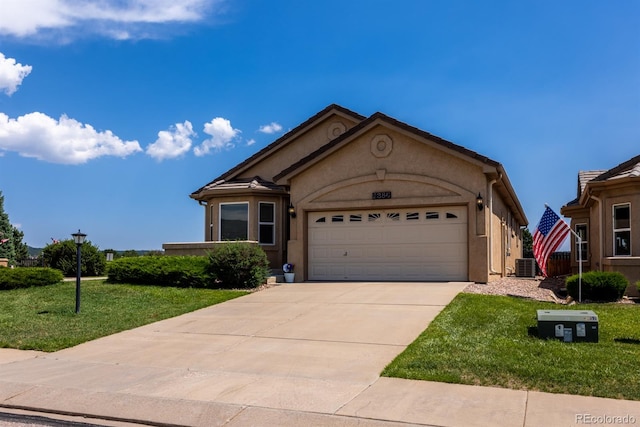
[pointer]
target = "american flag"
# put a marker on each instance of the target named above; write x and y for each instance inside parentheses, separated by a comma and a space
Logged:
(550, 233)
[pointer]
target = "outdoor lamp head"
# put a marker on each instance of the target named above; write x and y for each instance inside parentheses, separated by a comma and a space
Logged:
(292, 211)
(79, 237)
(479, 202)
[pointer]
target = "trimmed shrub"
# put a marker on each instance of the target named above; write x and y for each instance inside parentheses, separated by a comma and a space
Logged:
(26, 277)
(62, 256)
(598, 285)
(239, 265)
(178, 271)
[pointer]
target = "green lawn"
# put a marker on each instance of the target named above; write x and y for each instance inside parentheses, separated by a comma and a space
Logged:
(43, 318)
(492, 341)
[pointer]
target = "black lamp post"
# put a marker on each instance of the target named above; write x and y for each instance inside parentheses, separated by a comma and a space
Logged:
(79, 239)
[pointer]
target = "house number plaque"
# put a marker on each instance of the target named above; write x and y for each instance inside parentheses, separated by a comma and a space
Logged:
(379, 195)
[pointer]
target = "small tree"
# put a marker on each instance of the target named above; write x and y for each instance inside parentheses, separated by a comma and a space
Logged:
(62, 256)
(7, 248)
(22, 250)
(527, 244)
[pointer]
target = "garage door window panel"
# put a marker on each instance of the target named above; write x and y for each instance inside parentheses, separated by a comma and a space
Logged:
(373, 217)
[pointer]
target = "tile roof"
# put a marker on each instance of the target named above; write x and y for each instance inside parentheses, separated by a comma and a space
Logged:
(255, 183)
(630, 168)
(586, 176)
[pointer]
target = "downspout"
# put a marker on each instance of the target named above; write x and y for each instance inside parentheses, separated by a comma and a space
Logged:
(490, 192)
(600, 229)
(207, 220)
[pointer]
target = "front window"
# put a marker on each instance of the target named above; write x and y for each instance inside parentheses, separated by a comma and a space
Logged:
(581, 248)
(234, 221)
(267, 223)
(622, 230)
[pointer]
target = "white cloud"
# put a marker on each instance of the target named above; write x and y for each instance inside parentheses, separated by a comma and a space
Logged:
(250, 142)
(11, 74)
(111, 18)
(65, 141)
(222, 136)
(172, 143)
(272, 127)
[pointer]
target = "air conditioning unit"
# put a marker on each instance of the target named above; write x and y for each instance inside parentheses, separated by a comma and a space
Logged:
(526, 267)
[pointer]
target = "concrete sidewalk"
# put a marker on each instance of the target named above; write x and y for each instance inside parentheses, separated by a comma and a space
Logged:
(300, 354)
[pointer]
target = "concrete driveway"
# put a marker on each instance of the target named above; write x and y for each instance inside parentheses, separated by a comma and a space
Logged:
(309, 347)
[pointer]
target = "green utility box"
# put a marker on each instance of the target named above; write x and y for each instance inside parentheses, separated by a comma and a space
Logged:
(568, 325)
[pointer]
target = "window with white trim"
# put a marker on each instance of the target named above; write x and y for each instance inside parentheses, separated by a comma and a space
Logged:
(622, 229)
(267, 223)
(234, 221)
(581, 248)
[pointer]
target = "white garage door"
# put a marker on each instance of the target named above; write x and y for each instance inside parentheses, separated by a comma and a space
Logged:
(427, 244)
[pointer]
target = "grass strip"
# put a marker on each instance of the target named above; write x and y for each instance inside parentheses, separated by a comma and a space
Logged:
(43, 318)
(492, 341)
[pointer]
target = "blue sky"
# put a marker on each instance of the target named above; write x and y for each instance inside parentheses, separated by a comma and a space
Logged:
(112, 112)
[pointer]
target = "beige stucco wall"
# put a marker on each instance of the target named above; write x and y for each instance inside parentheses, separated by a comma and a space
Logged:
(288, 154)
(506, 238)
(416, 173)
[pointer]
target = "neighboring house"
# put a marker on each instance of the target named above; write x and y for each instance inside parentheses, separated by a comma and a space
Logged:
(606, 215)
(348, 197)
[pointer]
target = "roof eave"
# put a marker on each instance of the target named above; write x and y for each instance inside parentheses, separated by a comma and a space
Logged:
(365, 125)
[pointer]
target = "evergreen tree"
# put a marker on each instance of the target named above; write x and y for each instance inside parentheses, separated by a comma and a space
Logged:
(7, 249)
(21, 248)
(527, 244)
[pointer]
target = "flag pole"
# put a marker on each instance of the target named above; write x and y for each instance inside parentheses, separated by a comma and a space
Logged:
(579, 240)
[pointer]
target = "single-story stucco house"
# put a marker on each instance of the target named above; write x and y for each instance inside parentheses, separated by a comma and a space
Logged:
(348, 197)
(606, 215)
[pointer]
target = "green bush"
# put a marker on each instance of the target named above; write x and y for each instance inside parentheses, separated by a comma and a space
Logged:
(239, 265)
(178, 271)
(598, 286)
(14, 278)
(62, 256)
